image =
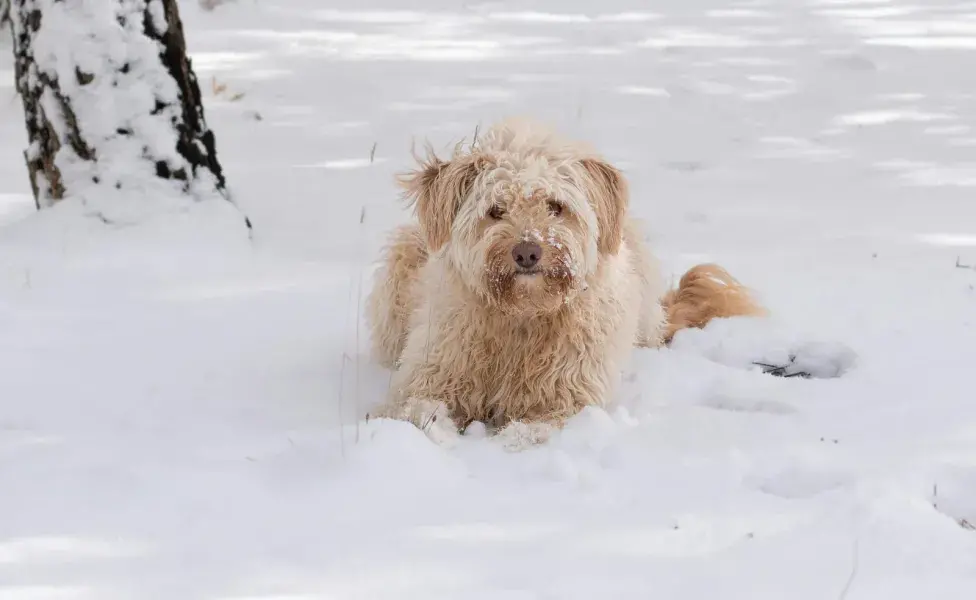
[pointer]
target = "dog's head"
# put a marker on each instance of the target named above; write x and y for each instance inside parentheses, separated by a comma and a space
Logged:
(523, 217)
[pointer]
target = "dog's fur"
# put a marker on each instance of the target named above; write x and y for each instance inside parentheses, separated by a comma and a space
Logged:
(471, 338)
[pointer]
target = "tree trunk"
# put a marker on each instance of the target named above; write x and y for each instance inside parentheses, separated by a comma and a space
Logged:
(4, 12)
(110, 99)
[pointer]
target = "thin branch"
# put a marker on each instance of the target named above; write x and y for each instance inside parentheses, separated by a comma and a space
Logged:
(359, 317)
(342, 379)
(781, 370)
(853, 575)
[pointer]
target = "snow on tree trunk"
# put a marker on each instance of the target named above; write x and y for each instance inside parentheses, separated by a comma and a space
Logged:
(111, 102)
(4, 12)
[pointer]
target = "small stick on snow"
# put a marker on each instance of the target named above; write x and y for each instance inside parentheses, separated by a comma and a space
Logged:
(430, 420)
(342, 369)
(359, 317)
(850, 579)
(960, 265)
(372, 157)
(342, 378)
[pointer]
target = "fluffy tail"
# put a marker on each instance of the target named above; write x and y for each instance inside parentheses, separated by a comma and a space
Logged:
(704, 293)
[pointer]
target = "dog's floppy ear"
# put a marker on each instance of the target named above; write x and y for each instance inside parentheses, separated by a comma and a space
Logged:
(436, 189)
(610, 197)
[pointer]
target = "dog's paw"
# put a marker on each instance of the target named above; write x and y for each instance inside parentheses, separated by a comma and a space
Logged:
(433, 418)
(519, 435)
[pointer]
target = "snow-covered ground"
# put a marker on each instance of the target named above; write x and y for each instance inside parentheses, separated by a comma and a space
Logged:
(179, 405)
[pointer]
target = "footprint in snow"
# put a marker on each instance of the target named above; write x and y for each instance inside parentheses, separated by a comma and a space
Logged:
(800, 481)
(954, 494)
(746, 404)
(817, 360)
(755, 344)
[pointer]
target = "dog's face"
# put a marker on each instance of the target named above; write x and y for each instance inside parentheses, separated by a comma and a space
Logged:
(524, 223)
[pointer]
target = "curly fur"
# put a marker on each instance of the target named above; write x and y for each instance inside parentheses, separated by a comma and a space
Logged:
(476, 340)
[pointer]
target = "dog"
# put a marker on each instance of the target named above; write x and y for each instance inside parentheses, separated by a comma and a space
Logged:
(517, 297)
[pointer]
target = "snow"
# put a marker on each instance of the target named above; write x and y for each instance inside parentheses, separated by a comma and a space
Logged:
(178, 402)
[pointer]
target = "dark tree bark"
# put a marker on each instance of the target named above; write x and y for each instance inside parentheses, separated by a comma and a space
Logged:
(61, 104)
(196, 140)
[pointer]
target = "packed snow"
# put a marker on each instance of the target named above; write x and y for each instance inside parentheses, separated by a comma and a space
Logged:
(183, 408)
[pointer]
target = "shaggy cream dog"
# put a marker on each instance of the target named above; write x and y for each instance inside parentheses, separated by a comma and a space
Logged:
(517, 298)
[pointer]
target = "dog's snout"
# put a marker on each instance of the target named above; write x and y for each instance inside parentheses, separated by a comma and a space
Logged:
(527, 254)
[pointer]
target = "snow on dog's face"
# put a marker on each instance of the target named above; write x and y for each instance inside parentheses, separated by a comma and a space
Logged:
(523, 217)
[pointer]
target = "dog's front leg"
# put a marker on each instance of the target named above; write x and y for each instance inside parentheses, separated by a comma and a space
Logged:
(430, 416)
(519, 435)
(433, 418)
(543, 418)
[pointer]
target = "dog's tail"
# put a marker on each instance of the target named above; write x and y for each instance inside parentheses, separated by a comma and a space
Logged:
(704, 293)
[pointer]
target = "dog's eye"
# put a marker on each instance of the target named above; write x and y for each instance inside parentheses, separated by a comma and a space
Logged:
(496, 212)
(555, 208)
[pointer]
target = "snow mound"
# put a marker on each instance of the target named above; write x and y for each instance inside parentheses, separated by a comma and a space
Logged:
(743, 342)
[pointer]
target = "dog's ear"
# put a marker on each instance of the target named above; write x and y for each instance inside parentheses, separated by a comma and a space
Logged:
(436, 190)
(610, 197)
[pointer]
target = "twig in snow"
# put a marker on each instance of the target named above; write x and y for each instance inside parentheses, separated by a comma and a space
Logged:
(372, 155)
(359, 317)
(342, 378)
(780, 370)
(342, 374)
(431, 419)
(960, 265)
(850, 579)
(359, 296)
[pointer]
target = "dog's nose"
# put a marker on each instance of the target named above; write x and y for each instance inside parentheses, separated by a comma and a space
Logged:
(527, 254)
